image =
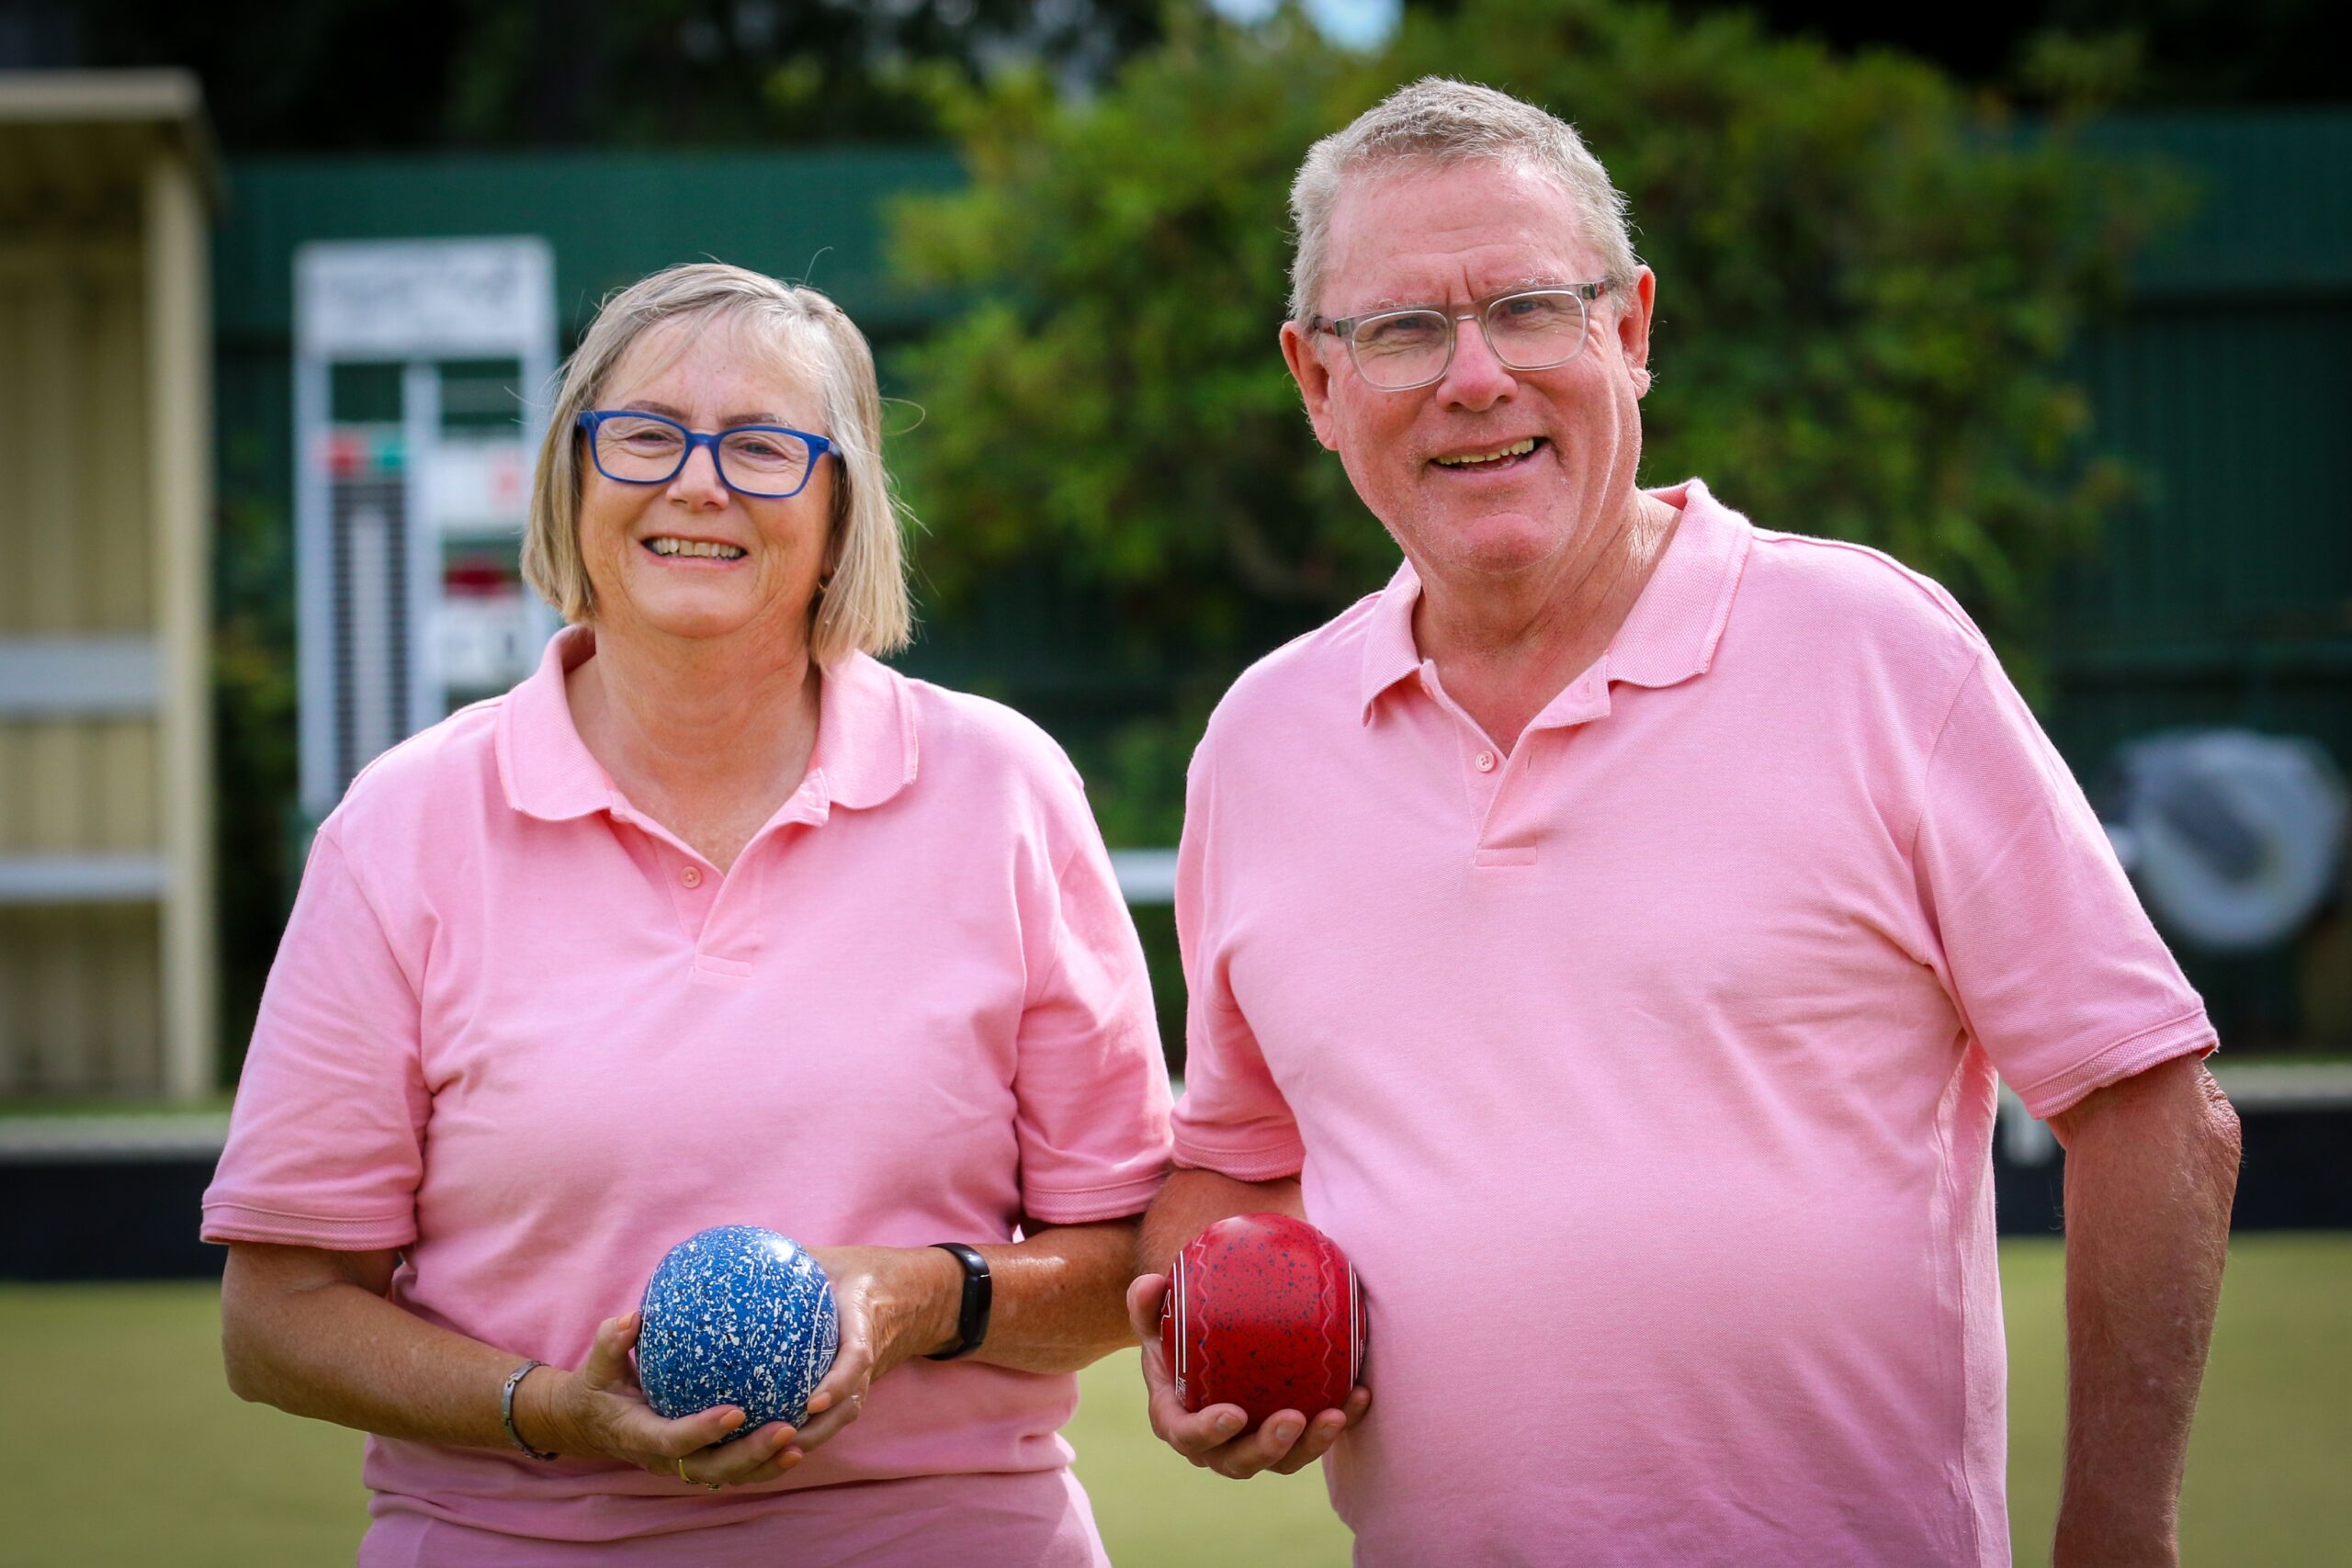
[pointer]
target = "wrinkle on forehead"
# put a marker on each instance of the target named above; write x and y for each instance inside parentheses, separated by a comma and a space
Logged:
(1451, 234)
(764, 347)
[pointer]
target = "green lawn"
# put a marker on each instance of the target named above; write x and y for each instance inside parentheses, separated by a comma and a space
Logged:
(108, 1383)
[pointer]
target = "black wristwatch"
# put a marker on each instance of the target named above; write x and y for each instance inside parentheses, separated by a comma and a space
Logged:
(972, 1318)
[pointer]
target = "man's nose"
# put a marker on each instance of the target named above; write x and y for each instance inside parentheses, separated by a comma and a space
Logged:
(1476, 379)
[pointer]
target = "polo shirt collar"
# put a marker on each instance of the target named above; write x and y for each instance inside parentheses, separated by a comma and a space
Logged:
(1675, 625)
(865, 753)
(1669, 636)
(1390, 655)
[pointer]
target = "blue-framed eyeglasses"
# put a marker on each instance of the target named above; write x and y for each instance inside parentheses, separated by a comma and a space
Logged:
(772, 462)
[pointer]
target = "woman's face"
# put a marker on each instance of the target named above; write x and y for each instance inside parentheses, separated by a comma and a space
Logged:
(762, 578)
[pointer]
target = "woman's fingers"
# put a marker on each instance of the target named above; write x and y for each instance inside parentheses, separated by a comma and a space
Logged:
(607, 1362)
(757, 1456)
(841, 1398)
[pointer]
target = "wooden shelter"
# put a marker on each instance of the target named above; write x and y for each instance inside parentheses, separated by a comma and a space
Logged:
(108, 965)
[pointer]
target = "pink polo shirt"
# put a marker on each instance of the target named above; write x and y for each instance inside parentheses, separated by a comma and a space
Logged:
(1648, 1073)
(523, 1034)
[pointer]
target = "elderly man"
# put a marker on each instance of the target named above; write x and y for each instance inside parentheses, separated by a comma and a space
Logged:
(1610, 932)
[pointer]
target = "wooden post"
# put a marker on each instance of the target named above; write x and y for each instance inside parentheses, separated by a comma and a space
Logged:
(179, 390)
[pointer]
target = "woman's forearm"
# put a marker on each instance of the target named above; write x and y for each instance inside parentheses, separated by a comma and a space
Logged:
(311, 1333)
(1059, 1297)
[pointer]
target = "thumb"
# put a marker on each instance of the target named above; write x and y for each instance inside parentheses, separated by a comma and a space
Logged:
(608, 1361)
(1144, 1296)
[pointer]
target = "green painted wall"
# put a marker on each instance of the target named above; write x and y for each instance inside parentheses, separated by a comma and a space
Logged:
(2222, 595)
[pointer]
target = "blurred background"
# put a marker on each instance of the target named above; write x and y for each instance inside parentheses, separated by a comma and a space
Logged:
(2051, 299)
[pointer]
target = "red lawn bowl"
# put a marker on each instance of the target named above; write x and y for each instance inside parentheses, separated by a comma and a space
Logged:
(1264, 1313)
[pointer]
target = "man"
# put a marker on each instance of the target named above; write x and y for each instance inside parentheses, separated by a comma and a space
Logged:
(1610, 932)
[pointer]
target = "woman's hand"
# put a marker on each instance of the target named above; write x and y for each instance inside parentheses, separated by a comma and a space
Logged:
(894, 1303)
(601, 1411)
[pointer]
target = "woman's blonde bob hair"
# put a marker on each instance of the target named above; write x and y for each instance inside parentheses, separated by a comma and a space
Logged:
(863, 606)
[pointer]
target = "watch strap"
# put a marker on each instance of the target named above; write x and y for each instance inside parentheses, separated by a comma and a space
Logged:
(972, 1316)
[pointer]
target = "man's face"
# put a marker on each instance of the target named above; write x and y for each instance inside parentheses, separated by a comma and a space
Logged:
(1452, 237)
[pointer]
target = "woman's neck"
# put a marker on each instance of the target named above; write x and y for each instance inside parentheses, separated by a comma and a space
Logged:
(703, 738)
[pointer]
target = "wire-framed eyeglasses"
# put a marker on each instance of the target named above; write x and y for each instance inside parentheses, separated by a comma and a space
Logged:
(772, 462)
(1528, 328)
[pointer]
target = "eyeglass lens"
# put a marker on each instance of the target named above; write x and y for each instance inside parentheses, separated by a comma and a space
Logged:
(646, 450)
(1527, 332)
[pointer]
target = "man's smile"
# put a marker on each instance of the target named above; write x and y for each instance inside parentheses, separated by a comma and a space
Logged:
(1488, 459)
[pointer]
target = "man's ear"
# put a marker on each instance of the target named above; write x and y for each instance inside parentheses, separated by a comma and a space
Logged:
(1638, 307)
(1314, 379)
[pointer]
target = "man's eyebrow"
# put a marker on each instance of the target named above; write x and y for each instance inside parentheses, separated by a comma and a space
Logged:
(1516, 285)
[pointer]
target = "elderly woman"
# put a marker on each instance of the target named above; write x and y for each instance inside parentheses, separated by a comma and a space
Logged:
(714, 919)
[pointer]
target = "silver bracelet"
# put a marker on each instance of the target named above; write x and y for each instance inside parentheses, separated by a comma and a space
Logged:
(506, 1407)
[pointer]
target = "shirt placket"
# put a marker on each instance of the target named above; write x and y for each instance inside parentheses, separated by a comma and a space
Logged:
(1492, 778)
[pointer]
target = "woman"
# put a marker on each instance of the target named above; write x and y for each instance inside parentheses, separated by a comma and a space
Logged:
(714, 919)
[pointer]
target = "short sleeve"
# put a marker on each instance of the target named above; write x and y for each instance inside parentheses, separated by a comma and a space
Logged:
(2056, 970)
(1092, 1088)
(1233, 1119)
(325, 1142)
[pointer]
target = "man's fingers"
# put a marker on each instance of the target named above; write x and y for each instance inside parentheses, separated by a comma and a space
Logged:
(1322, 1433)
(1262, 1449)
(1143, 1307)
(1196, 1434)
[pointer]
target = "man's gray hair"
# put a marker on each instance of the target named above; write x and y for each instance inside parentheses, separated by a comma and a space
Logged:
(1437, 122)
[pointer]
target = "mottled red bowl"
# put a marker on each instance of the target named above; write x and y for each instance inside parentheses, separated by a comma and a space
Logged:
(1263, 1311)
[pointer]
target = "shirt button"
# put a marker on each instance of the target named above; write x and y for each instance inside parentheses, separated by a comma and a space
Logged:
(691, 876)
(1485, 761)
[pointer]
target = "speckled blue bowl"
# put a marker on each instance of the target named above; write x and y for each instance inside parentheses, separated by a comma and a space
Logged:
(736, 1315)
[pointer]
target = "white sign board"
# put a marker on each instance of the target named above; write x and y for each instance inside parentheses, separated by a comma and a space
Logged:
(424, 299)
(478, 486)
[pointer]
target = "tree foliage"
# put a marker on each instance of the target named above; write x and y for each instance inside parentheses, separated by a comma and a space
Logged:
(1868, 285)
(347, 75)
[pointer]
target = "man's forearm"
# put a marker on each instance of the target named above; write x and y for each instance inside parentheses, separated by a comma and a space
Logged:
(2151, 1171)
(1192, 1200)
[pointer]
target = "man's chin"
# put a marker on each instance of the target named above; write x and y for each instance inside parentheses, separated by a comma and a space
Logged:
(1493, 547)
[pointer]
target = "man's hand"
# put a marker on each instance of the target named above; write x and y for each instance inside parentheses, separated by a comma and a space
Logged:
(2151, 1164)
(1213, 1438)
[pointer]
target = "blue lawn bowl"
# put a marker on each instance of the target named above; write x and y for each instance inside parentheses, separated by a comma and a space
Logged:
(736, 1315)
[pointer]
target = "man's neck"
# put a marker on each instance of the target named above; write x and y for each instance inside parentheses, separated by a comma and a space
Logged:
(1506, 648)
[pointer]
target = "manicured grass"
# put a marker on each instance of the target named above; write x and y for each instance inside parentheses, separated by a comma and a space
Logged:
(116, 1381)
(2273, 1440)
